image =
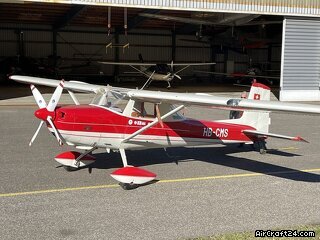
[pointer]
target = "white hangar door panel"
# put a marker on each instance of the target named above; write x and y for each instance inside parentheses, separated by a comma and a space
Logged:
(300, 60)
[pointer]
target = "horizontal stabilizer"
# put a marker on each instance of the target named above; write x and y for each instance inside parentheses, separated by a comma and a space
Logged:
(263, 134)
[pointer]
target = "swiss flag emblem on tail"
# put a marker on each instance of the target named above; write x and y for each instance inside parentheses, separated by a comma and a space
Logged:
(256, 96)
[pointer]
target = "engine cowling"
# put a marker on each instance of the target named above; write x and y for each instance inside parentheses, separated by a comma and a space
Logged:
(69, 159)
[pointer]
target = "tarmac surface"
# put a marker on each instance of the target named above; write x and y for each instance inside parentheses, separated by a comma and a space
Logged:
(200, 192)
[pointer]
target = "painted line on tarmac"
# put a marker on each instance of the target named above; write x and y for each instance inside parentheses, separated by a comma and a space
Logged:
(288, 148)
(161, 181)
(57, 190)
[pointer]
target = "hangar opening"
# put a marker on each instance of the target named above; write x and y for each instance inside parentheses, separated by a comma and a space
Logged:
(68, 41)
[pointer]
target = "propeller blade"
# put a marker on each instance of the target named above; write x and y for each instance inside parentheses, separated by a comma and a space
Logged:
(56, 133)
(38, 97)
(177, 76)
(171, 66)
(55, 97)
(36, 133)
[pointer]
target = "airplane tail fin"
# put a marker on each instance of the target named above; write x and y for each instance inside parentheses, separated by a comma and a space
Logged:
(260, 120)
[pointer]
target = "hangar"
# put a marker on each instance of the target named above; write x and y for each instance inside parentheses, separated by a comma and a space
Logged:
(67, 37)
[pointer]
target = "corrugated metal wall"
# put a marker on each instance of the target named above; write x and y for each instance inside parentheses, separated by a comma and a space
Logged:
(301, 55)
(8, 43)
(82, 51)
(37, 43)
(76, 47)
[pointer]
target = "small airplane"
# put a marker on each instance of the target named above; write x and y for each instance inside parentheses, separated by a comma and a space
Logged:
(230, 19)
(214, 19)
(251, 74)
(121, 119)
(157, 71)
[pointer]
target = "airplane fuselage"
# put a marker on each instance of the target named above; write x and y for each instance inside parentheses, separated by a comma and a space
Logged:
(160, 77)
(159, 72)
(88, 125)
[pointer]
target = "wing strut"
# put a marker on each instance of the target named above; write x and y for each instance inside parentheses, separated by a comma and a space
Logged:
(141, 130)
(138, 70)
(73, 97)
(148, 81)
(180, 70)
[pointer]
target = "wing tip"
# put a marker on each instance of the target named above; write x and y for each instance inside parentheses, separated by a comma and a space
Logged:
(299, 139)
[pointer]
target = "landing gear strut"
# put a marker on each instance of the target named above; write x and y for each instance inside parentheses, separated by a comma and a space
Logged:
(73, 161)
(261, 146)
(78, 159)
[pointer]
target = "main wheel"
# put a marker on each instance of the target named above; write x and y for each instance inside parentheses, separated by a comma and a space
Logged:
(263, 151)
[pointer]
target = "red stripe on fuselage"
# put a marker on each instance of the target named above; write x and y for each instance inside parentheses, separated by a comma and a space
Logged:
(87, 118)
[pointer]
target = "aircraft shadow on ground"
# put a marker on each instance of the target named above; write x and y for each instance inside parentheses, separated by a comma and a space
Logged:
(220, 156)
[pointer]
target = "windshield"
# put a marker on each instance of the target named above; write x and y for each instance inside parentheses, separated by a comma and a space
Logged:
(110, 101)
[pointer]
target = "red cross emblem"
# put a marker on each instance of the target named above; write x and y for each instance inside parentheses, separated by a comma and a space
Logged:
(256, 96)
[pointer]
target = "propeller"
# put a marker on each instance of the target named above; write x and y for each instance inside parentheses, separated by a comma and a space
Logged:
(172, 73)
(38, 97)
(46, 112)
(36, 133)
(177, 76)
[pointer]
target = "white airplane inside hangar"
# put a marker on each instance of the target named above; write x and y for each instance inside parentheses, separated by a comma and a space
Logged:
(275, 43)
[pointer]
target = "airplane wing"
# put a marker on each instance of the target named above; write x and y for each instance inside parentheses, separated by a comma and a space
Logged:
(177, 19)
(238, 75)
(220, 102)
(129, 63)
(178, 98)
(263, 134)
(68, 85)
(233, 20)
(191, 64)
(154, 64)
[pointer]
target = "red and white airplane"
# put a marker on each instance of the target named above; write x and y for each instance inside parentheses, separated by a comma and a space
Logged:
(121, 119)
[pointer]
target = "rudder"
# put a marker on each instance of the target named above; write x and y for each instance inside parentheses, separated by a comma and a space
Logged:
(260, 120)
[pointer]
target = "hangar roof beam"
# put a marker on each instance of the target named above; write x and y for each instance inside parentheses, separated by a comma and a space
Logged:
(67, 18)
(137, 20)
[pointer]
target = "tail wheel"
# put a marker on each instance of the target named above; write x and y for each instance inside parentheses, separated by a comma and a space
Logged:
(263, 151)
(261, 146)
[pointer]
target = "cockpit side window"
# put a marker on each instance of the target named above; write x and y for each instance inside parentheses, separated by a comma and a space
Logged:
(143, 109)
